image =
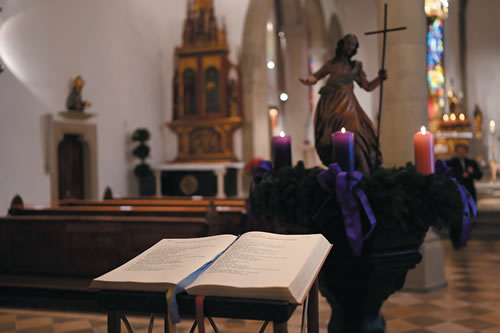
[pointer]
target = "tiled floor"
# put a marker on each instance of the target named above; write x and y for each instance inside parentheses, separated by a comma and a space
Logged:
(470, 303)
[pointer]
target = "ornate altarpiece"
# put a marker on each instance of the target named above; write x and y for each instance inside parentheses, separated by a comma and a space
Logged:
(207, 90)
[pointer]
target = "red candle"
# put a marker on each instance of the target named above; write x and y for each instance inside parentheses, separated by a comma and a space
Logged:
(343, 149)
(282, 151)
(424, 151)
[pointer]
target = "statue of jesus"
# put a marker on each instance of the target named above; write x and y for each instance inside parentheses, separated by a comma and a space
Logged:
(338, 107)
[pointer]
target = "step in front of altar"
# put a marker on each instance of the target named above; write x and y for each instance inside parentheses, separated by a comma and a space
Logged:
(487, 225)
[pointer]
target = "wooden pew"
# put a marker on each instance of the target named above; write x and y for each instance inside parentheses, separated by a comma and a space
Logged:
(175, 211)
(154, 202)
(222, 219)
(49, 255)
(48, 262)
(32, 235)
(83, 245)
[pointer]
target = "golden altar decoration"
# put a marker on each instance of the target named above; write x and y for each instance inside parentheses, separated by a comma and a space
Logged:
(207, 92)
(454, 128)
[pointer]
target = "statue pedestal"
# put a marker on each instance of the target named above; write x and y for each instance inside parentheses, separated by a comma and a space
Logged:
(356, 287)
(76, 115)
(429, 273)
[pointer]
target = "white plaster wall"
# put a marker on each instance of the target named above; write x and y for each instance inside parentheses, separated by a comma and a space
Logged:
(483, 61)
(21, 144)
(123, 50)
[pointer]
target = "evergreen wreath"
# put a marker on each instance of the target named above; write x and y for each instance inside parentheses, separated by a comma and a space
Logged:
(405, 203)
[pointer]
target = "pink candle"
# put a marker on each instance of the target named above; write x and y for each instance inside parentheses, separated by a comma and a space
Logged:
(424, 151)
(343, 149)
(282, 151)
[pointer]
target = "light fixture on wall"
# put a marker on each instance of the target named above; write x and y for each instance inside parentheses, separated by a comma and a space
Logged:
(436, 8)
(273, 118)
(270, 64)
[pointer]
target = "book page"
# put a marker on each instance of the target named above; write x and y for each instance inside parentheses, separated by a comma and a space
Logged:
(164, 264)
(259, 260)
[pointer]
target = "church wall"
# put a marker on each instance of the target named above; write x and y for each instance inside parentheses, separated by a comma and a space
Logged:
(45, 44)
(483, 62)
(21, 144)
(124, 52)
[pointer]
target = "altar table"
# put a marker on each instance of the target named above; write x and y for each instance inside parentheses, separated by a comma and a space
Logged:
(219, 169)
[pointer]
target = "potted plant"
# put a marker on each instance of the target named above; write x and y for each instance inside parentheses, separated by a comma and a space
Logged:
(143, 170)
(402, 204)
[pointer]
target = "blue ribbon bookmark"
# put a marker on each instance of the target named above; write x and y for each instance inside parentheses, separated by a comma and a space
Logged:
(173, 308)
(171, 326)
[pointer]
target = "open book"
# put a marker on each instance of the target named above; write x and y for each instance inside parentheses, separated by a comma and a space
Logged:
(254, 265)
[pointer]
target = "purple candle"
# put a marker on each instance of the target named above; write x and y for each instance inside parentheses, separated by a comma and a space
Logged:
(343, 149)
(281, 150)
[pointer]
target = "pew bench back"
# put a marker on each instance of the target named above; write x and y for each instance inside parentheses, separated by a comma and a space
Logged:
(154, 202)
(84, 245)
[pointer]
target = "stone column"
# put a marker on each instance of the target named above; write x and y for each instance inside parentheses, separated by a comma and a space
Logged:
(429, 273)
(405, 92)
(255, 134)
(220, 173)
(297, 108)
(404, 111)
(256, 139)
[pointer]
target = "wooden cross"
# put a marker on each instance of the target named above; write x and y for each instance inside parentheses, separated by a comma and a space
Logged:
(379, 117)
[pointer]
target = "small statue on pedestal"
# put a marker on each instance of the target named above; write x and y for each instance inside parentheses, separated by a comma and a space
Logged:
(74, 101)
(478, 122)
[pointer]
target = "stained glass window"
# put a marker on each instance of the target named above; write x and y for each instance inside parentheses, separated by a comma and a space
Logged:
(435, 69)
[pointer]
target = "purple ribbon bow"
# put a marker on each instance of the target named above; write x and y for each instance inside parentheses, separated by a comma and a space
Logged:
(261, 171)
(345, 185)
(470, 208)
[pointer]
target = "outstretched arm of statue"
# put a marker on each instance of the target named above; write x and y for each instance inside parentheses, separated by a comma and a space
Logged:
(316, 76)
(370, 85)
(309, 81)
